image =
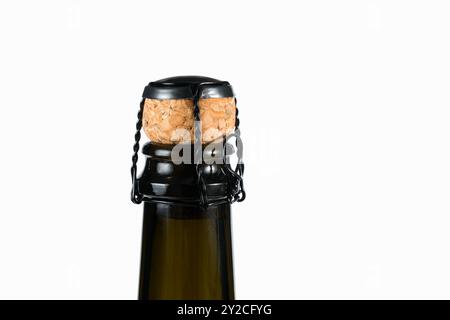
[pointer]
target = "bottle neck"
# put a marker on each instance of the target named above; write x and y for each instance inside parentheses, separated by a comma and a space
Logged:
(186, 253)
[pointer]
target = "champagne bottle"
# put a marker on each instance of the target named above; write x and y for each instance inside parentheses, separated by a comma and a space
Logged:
(186, 238)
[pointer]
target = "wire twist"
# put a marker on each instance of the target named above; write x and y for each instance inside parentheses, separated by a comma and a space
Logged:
(240, 164)
(235, 183)
(136, 196)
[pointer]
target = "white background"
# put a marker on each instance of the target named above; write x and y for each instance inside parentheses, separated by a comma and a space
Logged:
(345, 112)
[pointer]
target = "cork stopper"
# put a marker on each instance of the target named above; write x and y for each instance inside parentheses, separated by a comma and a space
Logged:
(171, 121)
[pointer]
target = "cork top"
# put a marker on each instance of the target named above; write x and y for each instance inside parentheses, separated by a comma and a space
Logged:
(168, 115)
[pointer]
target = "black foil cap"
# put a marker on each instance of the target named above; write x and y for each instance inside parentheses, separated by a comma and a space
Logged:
(188, 87)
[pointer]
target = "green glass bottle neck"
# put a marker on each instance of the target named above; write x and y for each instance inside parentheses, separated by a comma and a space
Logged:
(186, 253)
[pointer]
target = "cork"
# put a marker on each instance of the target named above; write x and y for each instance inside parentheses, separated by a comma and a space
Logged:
(171, 121)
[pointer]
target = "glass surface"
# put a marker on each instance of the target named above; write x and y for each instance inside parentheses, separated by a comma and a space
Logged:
(186, 253)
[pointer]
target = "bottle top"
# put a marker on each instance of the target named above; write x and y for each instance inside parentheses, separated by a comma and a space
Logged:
(178, 111)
